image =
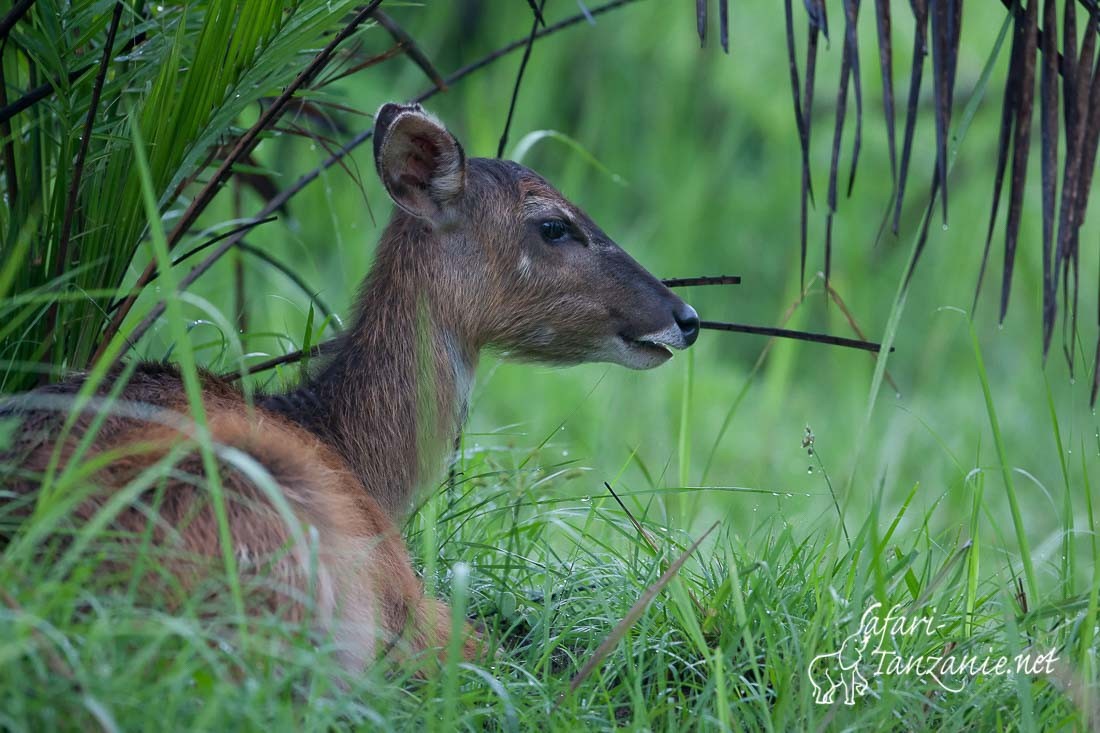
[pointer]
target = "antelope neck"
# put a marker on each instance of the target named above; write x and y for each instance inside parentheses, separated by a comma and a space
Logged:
(393, 399)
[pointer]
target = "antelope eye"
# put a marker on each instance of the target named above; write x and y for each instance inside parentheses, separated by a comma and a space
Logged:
(554, 231)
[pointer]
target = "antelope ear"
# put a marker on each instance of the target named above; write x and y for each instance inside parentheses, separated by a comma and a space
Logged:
(420, 163)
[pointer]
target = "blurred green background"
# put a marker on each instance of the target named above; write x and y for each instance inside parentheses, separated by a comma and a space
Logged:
(707, 150)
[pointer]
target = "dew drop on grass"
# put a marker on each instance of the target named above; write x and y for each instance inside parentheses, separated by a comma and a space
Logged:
(586, 499)
(565, 453)
(809, 469)
(775, 493)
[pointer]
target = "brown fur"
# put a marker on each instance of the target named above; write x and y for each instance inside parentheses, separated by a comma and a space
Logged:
(464, 265)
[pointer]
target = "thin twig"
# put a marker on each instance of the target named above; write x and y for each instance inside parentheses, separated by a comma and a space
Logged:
(819, 338)
(335, 76)
(522, 42)
(290, 274)
(519, 77)
(82, 155)
(36, 95)
(10, 173)
(243, 146)
(637, 525)
(835, 297)
(240, 309)
(8, 21)
(537, 11)
(412, 50)
(684, 282)
(242, 229)
(291, 358)
(650, 541)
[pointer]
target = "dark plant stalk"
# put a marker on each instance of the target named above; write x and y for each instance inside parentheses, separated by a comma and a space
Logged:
(240, 310)
(521, 43)
(1021, 148)
(851, 10)
(916, 72)
(519, 78)
(10, 174)
(800, 124)
(724, 25)
(819, 338)
(288, 272)
(1011, 96)
(8, 21)
(36, 95)
(238, 230)
(291, 358)
(534, 5)
(1048, 120)
(1095, 371)
(684, 282)
(355, 68)
(82, 155)
(413, 51)
(886, 63)
(1092, 10)
(818, 24)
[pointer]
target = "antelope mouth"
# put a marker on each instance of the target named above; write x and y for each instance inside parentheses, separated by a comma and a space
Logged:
(648, 347)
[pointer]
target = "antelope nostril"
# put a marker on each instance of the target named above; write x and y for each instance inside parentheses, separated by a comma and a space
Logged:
(688, 321)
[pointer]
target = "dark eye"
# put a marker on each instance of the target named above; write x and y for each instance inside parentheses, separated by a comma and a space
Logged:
(554, 231)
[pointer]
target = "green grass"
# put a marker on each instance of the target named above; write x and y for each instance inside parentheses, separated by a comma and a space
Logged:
(965, 497)
(78, 654)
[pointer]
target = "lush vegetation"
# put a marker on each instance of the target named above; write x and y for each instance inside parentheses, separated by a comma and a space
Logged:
(952, 477)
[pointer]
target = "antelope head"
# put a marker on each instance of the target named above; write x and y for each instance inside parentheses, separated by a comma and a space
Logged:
(520, 268)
